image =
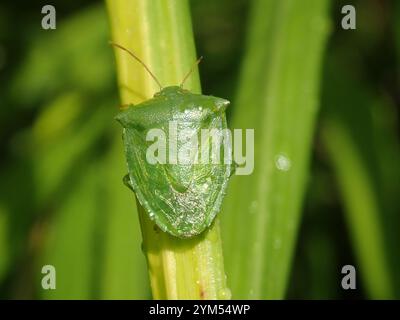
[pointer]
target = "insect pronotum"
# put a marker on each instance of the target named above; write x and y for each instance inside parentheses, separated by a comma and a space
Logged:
(182, 199)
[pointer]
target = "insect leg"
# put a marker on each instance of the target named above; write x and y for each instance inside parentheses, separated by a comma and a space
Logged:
(127, 182)
(234, 165)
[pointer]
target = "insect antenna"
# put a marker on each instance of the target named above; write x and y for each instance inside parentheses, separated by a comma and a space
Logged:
(138, 60)
(191, 70)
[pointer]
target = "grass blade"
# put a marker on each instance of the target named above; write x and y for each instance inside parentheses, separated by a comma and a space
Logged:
(278, 97)
(348, 136)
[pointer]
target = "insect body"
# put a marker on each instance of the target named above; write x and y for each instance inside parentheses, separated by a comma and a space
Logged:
(181, 197)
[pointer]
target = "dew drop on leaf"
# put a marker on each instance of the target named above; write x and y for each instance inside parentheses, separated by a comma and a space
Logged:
(282, 162)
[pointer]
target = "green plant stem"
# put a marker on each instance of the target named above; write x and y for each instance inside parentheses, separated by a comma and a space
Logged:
(160, 33)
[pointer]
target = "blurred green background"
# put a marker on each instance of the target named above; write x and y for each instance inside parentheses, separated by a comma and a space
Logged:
(62, 201)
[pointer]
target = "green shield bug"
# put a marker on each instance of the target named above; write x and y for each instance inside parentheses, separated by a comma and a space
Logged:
(183, 185)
